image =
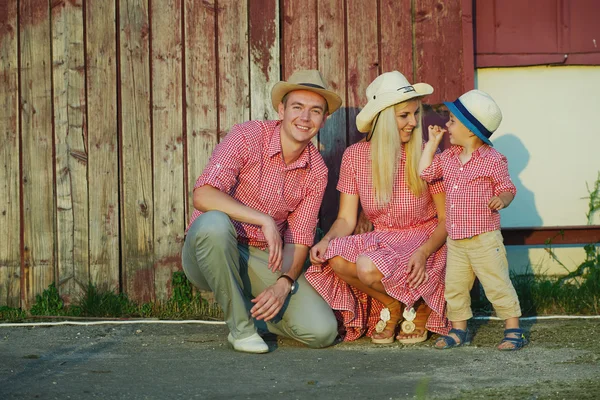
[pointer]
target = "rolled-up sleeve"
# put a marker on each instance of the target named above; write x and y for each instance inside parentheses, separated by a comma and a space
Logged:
(302, 222)
(434, 171)
(226, 162)
(501, 178)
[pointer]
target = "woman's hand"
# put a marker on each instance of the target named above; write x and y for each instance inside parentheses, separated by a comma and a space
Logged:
(317, 252)
(416, 269)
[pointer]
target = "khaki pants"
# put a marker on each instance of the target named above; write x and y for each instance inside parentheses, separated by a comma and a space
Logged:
(214, 260)
(482, 256)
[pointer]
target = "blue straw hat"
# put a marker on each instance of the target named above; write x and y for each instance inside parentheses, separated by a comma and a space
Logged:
(478, 112)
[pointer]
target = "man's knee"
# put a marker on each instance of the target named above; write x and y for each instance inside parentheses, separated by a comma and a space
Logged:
(213, 226)
(323, 333)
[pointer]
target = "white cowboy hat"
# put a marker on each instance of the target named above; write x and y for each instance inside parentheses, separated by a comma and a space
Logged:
(478, 112)
(386, 90)
(305, 80)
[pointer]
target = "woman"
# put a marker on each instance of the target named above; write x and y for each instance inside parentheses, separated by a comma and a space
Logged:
(367, 277)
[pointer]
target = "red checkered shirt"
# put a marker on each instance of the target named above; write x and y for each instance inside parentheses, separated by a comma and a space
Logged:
(248, 166)
(470, 187)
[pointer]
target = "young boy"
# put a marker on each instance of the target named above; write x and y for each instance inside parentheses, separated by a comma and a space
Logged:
(477, 185)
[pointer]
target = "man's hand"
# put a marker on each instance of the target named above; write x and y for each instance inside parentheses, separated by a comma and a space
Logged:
(416, 269)
(496, 203)
(269, 302)
(274, 242)
(435, 134)
(317, 251)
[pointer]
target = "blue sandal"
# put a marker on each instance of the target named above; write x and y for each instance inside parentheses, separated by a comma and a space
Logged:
(450, 342)
(518, 341)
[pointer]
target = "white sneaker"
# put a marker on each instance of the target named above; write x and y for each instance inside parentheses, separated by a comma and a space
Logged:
(251, 344)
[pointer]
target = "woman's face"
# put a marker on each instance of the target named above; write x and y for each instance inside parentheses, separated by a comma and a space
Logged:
(407, 118)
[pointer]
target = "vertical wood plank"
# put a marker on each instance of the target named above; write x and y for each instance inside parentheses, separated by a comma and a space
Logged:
(332, 64)
(10, 265)
(396, 37)
(300, 39)
(233, 85)
(468, 43)
(264, 56)
(136, 161)
(299, 36)
(439, 50)
(201, 90)
(71, 149)
(363, 61)
(103, 177)
(167, 125)
(37, 151)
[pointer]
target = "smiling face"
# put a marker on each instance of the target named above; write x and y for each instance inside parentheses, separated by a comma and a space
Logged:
(302, 115)
(458, 133)
(407, 118)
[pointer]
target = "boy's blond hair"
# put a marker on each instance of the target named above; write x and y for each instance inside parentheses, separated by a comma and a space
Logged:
(386, 148)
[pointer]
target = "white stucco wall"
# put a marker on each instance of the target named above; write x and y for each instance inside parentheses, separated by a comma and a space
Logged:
(550, 134)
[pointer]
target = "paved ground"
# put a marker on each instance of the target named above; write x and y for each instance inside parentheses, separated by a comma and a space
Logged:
(194, 361)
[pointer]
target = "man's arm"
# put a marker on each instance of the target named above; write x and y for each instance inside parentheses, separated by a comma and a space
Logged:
(208, 198)
(269, 302)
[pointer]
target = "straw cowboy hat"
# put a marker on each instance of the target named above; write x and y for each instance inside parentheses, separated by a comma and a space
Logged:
(386, 90)
(305, 80)
(478, 112)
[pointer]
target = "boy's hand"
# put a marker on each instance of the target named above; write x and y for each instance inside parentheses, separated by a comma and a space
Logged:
(436, 133)
(496, 203)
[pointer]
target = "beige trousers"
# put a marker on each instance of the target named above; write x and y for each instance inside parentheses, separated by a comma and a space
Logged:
(214, 260)
(482, 256)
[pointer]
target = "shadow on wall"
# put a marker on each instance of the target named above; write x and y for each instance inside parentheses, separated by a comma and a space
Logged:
(522, 212)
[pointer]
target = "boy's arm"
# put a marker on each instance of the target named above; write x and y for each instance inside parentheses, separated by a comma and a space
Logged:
(427, 157)
(504, 189)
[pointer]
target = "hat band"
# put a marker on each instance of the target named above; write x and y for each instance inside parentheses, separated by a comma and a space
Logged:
(312, 85)
(482, 129)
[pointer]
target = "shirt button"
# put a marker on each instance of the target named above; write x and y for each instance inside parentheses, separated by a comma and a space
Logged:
(279, 191)
(460, 168)
(455, 186)
(452, 206)
(452, 226)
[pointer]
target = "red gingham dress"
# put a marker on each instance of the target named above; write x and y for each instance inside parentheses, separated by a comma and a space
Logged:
(248, 165)
(399, 229)
(470, 187)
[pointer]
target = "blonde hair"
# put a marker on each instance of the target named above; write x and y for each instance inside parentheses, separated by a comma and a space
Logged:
(386, 148)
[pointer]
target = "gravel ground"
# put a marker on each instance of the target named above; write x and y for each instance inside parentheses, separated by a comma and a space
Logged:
(143, 361)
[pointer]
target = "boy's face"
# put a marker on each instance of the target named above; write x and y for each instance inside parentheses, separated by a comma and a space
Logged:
(459, 134)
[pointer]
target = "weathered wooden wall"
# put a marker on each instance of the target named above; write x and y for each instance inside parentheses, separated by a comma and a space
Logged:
(109, 110)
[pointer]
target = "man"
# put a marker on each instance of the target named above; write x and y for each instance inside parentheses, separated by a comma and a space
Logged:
(256, 206)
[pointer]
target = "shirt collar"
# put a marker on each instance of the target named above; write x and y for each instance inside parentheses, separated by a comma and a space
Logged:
(481, 151)
(275, 149)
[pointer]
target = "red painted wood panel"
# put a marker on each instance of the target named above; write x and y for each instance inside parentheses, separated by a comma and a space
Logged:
(514, 32)
(332, 64)
(263, 29)
(438, 49)
(395, 25)
(299, 36)
(201, 74)
(363, 58)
